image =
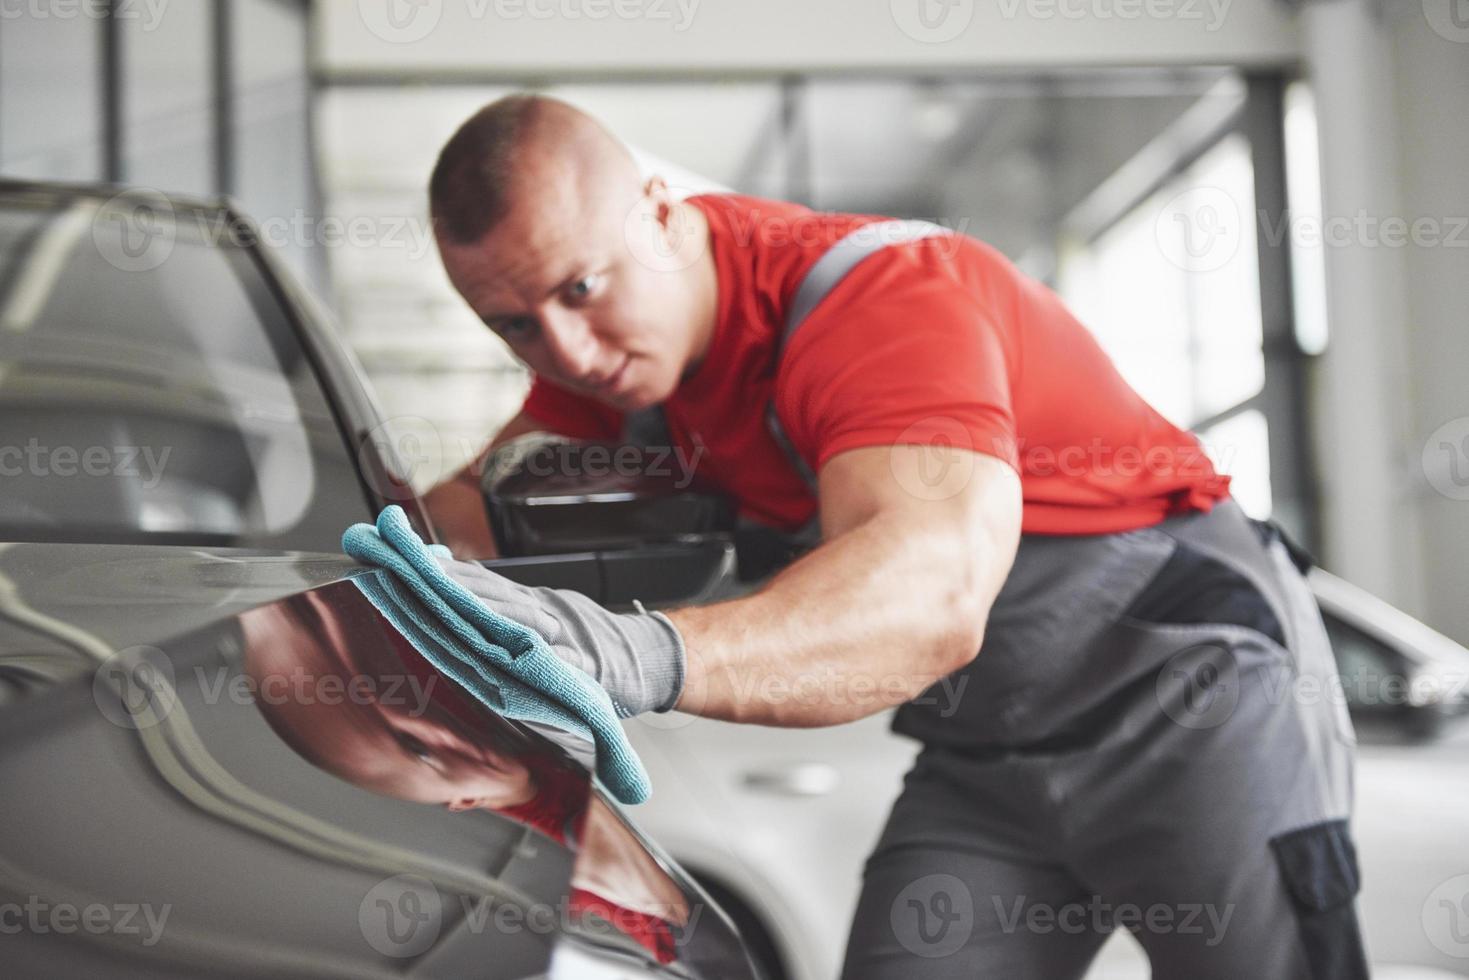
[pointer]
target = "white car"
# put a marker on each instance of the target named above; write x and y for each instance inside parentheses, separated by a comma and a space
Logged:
(777, 822)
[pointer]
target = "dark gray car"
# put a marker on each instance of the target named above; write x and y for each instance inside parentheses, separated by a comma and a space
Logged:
(217, 759)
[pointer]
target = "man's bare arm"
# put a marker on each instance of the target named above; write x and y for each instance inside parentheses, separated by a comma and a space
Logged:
(456, 505)
(917, 542)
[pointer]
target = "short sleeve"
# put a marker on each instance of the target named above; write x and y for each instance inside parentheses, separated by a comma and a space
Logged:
(571, 414)
(904, 355)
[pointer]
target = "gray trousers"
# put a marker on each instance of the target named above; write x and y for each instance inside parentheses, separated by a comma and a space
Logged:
(1149, 740)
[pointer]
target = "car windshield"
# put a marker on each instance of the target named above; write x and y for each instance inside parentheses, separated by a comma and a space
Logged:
(152, 388)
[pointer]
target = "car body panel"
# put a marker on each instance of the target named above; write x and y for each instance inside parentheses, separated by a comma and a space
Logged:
(155, 770)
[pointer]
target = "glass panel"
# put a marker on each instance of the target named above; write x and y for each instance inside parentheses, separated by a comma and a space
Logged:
(1224, 297)
(151, 387)
(1240, 447)
(1303, 189)
(273, 155)
(168, 117)
(51, 96)
(1172, 290)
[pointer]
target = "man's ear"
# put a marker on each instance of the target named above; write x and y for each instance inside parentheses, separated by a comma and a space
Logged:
(656, 188)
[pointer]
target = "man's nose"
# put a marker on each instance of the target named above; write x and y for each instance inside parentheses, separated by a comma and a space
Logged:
(571, 344)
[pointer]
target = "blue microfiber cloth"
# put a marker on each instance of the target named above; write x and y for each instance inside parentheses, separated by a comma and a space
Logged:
(505, 665)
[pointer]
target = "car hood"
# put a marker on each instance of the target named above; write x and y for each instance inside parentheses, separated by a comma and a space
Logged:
(125, 595)
(138, 680)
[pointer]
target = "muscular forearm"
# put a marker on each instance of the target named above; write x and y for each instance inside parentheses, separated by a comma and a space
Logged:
(866, 621)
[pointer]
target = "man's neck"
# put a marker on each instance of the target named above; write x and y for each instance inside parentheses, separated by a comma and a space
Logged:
(703, 280)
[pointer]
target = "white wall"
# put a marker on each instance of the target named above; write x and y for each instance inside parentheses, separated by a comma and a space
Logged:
(1431, 99)
(565, 37)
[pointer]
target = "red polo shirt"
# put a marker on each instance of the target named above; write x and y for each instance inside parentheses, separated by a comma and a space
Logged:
(941, 340)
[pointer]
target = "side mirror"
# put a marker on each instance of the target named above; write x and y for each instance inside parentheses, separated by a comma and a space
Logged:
(547, 494)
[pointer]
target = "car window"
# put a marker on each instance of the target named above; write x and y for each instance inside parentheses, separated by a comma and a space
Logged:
(152, 388)
(1373, 674)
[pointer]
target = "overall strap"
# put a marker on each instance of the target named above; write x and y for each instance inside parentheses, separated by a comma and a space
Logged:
(824, 276)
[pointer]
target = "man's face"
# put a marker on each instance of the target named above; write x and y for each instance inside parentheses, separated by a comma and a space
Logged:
(566, 281)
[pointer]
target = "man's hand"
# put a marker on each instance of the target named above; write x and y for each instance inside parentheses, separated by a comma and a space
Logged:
(917, 543)
(637, 657)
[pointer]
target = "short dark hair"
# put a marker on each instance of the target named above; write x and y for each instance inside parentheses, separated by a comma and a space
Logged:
(469, 190)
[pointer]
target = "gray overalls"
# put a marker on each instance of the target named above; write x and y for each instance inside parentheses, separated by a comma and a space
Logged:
(1148, 739)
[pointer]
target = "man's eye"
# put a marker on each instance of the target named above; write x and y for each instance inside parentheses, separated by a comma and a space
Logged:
(584, 286)
(415, 747)
(518, 327)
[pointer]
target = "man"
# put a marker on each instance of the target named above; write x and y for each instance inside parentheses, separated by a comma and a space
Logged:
(1114, 743)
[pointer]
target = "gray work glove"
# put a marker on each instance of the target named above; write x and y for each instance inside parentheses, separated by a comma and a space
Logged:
(637, 657)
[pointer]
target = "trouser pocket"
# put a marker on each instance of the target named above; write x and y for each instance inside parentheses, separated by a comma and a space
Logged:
(1319, 867)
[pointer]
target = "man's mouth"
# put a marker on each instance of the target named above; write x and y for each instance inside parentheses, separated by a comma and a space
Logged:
(610, 386)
